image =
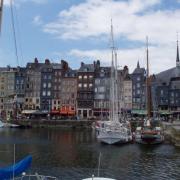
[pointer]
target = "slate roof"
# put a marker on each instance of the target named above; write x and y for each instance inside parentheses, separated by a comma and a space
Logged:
(56, 66)
(165, 76)
(86, 68)
(71, 73)
(139, 70)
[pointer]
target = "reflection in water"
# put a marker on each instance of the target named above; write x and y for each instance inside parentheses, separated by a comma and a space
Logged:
(70, 154)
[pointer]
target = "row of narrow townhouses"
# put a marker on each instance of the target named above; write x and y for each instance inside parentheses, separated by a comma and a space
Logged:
(57, 90)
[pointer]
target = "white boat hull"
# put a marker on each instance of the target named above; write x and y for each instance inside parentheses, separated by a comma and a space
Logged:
(111, 137)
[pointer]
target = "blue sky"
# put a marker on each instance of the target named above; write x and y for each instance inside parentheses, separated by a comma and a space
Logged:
(77, 30)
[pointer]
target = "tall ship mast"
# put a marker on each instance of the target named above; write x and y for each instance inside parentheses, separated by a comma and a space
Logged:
(114, 81)
(148, 88)
(147, 134)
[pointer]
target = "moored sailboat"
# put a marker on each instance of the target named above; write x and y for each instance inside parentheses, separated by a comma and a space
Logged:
(114, 131)
(148, 133)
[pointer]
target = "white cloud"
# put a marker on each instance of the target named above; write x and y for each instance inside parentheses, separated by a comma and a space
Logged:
(92, 18)
(37, 20)
(133, 20)
(158, 59)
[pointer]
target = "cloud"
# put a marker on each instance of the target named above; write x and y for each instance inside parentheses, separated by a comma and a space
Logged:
(133, 20)
(92, 18)
(37, 20)
(158, 59)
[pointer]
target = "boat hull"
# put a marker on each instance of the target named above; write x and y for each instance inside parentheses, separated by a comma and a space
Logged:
(149, 139)
(111, 137)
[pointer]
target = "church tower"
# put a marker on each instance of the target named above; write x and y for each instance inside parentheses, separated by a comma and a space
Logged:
(177, 56)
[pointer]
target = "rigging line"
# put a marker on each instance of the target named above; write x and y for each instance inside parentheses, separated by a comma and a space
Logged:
(14, 32)
(19, 34)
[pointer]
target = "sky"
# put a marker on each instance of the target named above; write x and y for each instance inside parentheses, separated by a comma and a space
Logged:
(79, 30)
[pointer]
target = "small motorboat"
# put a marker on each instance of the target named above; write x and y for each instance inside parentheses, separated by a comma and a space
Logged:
(16, 169)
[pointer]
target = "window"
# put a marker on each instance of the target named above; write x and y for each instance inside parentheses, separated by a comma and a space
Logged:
(161, 92)
(101, 89)
(101, 96)
(138, 85)
(45, 77)
(138, 78)
(90, 76)
(80, 77)
(49, 77)
(97, 81)
(44, 85)
(85, 77)
(138, 91)
(102, 74)
(49, 93)
(44, 93)
(90, 85)
(79, 85)
(85, 85)
(49, 85)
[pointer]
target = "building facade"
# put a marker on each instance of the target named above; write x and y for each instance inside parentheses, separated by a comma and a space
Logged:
(85, 89)
(166, 87)
(8, 91)
(20, 89)
(59, 70)
(102, 92)
(127, 94)
(138, 88)
(33, 85)
(69, 93)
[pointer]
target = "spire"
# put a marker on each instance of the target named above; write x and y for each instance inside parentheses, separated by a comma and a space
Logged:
(138, 66)
(177, 56)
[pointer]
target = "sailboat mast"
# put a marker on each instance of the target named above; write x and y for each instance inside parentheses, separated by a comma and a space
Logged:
(147, 82)
(113, 89)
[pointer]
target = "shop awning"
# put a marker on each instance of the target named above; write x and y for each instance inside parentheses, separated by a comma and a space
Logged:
(34, 112)
(29, 111)
(164, 112)
(139, 111)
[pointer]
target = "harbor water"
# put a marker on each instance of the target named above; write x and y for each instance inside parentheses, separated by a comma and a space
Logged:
(73, 155)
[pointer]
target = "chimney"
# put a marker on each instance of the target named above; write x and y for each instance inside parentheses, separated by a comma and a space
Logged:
(64, 65)
(47, 61)
(82, 64)
(35, 60)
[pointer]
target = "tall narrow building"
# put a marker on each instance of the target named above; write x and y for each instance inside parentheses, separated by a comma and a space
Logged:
(138, 84)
